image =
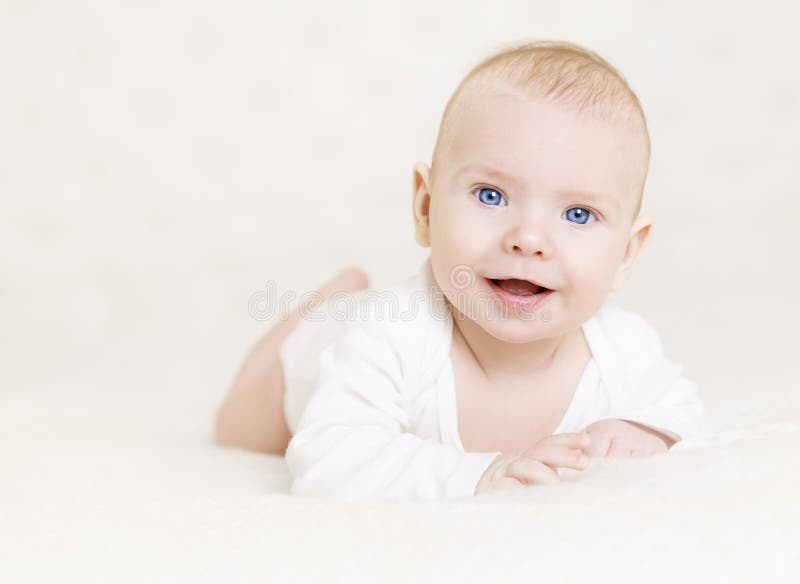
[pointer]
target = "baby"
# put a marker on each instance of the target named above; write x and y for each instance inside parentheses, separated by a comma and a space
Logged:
(508, 360)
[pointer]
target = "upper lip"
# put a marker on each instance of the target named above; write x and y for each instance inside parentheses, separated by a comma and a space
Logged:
(534, 282)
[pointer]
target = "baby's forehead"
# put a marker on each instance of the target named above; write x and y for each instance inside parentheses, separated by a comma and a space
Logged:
(556, 144)
(510, 126)
(485, 105)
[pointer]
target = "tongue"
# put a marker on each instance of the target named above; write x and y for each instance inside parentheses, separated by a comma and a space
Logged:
(520, 287)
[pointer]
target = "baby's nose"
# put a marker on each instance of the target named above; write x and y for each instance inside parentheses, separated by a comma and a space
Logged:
(527, 240)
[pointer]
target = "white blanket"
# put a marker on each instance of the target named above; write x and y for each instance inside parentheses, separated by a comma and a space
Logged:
(124, 488)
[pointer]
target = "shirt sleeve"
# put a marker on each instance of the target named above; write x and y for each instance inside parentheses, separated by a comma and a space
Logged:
(676, 412)
(656, 393)
(353, 441)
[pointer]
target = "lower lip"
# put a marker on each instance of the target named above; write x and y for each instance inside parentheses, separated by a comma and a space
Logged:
(518, 301)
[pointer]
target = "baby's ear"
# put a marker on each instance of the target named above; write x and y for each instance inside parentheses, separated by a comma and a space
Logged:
(639, 234)
(421, 203)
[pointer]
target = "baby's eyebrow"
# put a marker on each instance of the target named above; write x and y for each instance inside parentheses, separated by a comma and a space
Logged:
(489, 171)
(596, 198)
(599, 199)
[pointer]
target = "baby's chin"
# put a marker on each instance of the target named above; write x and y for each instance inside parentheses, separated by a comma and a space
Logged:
(510, 327)
(518, 332)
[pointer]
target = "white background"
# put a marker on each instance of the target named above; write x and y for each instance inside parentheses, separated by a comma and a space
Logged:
(160, 162)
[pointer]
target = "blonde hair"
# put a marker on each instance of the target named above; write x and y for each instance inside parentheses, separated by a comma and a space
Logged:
(558, 71)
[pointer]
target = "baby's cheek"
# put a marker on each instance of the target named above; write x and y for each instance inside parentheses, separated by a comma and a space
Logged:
(585, 261)
(604, 268)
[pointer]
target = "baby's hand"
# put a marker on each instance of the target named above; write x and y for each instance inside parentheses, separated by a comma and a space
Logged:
(537, 465)
(621, 439)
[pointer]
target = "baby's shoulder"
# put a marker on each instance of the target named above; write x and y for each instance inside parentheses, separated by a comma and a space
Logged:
(627, 330)
(631, 352)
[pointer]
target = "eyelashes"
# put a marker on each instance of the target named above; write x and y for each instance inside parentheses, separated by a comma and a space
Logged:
(491, 197)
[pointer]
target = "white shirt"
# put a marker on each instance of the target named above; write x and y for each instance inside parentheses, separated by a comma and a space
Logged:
(373, 412)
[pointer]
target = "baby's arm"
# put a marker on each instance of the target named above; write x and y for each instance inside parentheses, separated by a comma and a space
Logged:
(663, 401)
(656, 397)
(623, 438)
(354, 439)
(666, 438)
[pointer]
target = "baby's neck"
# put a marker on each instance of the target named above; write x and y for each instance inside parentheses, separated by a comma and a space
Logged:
(498, 359)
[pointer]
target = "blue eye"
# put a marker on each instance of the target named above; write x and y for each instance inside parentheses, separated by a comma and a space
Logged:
(578, 215)
(492, 197)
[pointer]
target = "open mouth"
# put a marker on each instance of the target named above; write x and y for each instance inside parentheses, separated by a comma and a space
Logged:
(518, 287)
(518, 294)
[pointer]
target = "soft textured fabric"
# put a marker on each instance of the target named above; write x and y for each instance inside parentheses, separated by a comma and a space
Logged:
(371, 401)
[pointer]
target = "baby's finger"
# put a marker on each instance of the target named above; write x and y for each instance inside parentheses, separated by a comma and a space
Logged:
(560, 456)
(599, 446)
(532, 471)
(569, 440)
(505, 483)
(561, 442)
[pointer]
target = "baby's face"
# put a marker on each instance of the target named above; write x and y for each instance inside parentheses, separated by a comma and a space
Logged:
(530, 190)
